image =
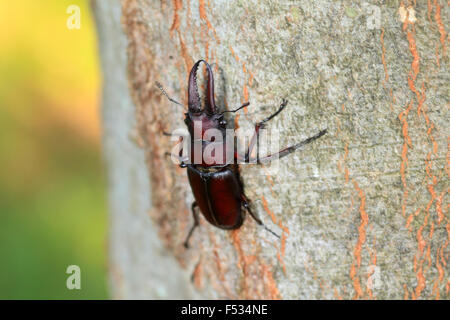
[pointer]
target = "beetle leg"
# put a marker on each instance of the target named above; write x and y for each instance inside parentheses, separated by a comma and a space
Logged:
(246, 205)
(180, 158)
(284, 103)
(258, 126)
(288, 150)
(245, 104)
(196, 223)
(160, 87)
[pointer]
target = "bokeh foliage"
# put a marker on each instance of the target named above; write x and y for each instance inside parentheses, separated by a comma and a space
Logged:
(52, 188)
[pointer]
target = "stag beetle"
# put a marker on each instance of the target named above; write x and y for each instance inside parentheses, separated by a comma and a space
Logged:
(216, 185)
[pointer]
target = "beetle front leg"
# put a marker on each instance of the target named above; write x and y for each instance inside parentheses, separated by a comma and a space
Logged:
(196, 224)
(258, 126)
(179, 158)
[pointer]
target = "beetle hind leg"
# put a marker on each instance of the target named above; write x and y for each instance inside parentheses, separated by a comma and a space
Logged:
(196, 224)
(246, 205)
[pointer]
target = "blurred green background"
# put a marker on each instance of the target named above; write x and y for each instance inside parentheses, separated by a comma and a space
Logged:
(52, 184)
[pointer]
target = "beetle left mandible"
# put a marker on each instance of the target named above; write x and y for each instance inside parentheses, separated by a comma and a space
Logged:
(216, 183)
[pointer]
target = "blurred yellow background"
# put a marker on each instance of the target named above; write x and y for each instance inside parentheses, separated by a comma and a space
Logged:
(52, 184)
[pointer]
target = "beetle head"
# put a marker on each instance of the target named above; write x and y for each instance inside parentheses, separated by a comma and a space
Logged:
(194, 103)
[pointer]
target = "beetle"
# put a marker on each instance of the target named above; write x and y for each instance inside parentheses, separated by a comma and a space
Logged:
(217, 185)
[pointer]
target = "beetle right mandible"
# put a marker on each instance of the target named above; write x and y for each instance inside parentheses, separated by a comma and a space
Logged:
(216, 184)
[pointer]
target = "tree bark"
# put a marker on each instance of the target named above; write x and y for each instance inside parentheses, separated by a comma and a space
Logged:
(362, 212)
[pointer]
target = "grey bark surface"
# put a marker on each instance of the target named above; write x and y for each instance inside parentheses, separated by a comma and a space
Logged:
(362, 212)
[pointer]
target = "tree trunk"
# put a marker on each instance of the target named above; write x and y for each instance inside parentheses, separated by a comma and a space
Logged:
(362, 212)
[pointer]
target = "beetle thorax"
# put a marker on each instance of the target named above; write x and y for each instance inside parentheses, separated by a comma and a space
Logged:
(204, 126)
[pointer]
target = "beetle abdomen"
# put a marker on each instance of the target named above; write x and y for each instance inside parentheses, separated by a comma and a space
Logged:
(218, 197)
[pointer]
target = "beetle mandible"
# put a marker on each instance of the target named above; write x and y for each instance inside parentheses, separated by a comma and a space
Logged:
(217, 186)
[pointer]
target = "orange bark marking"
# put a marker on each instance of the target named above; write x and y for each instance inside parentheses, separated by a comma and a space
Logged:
(408, 221)
(197, 275)
(441, 27)
(205, 31)
(269, 179)
(393, 100)
(203, 16)
(270, 283)
(431, 230)
(436, 290)
(177, 5)
(373, 258)
(250, 80)
(362, 226)
(245, 95)
(429, 10)
(356, 284)
(421, 282)
(443, 259)
(421, 243)
(188, 25)
(220, 272)
(236, 121)
(281, 254)
(242, 260)
(428, 256)
(404, 164)
(407, 19)
(336, 294)
(437, 55)
(343, 160)
(412, 47)
(406, 296)
(421, 100)
(244, 263)
(361, 240)
(206, 49)
(184, 53)
(244, 69)
(439, 267)
(321, 282)
(411, 217)
(420, 240)
(234, 54)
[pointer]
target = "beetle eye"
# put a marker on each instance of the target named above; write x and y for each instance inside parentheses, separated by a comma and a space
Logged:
(223, 122)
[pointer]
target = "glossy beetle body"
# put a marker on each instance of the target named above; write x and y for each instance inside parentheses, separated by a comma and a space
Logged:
(218, 196)
(216, 184)
(215, 181)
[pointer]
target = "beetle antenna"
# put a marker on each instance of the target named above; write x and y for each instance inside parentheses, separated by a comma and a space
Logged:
(160, 87)
(243, 106)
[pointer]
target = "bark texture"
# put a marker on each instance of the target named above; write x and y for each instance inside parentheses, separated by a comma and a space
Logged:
(362, 212)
